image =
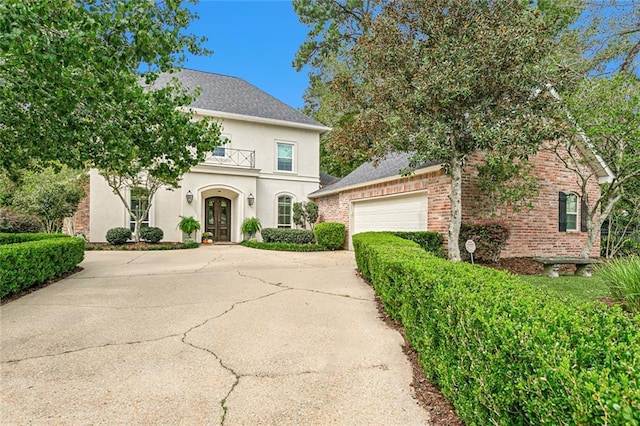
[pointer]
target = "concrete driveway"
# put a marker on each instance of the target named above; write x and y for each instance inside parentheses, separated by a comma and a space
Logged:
(216, 335)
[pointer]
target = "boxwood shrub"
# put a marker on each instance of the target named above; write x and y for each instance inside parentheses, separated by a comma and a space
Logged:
(151, 234)
(431, 241)
(118, 236)
(22, 238)
(330, 235)
(503, 352)
(286, 235)
(25, 264)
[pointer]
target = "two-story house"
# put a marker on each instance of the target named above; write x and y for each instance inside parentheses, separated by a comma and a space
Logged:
(270, 160)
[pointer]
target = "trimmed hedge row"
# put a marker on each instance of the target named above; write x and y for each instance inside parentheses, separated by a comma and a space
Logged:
(431, 241)
(282, 246)
(23, 238)
(25, 264)
(501, 351)
(287, 235)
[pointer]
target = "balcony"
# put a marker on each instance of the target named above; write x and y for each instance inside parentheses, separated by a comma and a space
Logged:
(232, 157)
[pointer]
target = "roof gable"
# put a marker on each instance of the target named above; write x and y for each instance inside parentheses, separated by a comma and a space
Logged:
(234, 95)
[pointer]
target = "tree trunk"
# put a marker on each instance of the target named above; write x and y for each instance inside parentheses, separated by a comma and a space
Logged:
(456, 208)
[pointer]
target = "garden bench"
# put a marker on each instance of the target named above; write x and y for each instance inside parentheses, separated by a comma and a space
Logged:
(552, 265)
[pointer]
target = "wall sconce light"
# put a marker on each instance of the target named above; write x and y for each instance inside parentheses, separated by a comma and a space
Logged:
(189, 197)
(251, 199)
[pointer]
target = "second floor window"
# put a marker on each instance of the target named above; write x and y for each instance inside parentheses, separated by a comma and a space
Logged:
(285, 157)
(568, 212)
(220, 151)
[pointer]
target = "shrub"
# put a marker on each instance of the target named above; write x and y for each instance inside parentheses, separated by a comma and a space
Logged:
(188, 225)
(282, 246)
(330, 235)
(430, 241)
(502, 352)
(151, 234)
(251, 226)
(623, 278)
(489, 236)
(286, 235)
(23, 238)
(25, 264)
(118, 236)
(15, 222)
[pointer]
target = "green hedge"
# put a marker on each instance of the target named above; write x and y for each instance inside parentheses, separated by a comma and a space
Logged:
(431, 241)
(25, 264)
(23, 238)
(503, 352)
(330, 235)
(282, 246)
(287, 235)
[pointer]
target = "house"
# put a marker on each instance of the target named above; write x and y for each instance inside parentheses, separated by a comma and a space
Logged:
(379, 198)
(270, 160)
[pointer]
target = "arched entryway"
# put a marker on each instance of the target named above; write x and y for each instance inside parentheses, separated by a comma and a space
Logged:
(217, 213)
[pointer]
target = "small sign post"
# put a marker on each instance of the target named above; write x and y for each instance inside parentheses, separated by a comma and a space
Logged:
(470, 245)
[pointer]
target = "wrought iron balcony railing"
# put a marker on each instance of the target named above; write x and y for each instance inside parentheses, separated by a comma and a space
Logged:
(233, 157)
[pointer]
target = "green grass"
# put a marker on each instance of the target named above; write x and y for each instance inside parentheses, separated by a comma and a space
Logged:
(581, 288)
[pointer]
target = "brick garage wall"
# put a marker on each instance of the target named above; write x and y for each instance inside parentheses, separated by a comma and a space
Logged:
(81, 219)
(535, 232)
(336, 207)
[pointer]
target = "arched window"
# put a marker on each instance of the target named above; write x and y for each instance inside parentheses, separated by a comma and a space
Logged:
(285, 203)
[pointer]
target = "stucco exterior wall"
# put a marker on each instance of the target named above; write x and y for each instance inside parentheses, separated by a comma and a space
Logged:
(211, 179)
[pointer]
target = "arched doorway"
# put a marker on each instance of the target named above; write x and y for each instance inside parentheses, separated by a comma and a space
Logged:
(218, 217)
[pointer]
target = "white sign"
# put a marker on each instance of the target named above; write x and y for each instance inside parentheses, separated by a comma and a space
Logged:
(470, 245)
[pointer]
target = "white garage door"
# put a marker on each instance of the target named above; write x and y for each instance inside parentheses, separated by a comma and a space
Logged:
(396, 213)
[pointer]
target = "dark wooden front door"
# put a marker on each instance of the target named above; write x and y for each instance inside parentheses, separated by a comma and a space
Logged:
(218, 217)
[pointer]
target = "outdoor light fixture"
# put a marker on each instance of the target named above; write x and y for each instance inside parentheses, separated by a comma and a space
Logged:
(189, 197)
(251, 199)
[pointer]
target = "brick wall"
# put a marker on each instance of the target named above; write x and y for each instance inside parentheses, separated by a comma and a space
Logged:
(336, 207)
(81, 219)
(533, 233)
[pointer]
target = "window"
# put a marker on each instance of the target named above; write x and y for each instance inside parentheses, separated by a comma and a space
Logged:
(220, 151)
(567, 212)
(138, 203)
(285, 157)
(284, 211)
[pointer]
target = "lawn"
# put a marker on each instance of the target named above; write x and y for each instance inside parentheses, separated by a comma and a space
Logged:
(585, 289)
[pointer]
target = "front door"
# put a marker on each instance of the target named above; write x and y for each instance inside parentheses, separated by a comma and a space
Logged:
(218, 215)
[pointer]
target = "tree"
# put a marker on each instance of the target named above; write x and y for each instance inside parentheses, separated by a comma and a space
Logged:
(155, 146)
(50, 196)
(445, 79)
(67, 68)
(305, 213)
(605, 111)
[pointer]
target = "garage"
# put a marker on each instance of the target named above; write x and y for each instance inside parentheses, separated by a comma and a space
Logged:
(406, 212)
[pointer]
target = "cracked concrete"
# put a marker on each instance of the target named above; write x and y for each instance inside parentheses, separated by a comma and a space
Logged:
(217, 335)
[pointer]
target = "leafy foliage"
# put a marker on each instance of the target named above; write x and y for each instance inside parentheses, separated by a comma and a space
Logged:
(25, 264)
(118, 236)
(188, 225)
(502, 352)
(305, 213)
(446, 79)
(151, 234)
(330, 235)
(489, 236)
(623, 279)
(285, 235)
(12, 221)
(50, 196)
(251, 226)
(283, 246)
(432, 242)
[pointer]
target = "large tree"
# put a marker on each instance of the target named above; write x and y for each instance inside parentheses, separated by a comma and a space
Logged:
(447, 78)
(68, 66)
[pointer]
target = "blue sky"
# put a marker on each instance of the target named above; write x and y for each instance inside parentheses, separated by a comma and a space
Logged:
(254, 40)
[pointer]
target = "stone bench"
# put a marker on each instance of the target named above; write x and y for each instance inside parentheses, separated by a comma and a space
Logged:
(552, 265)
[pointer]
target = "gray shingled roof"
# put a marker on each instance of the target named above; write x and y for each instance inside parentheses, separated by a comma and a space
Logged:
(392, 165)
(236, 96)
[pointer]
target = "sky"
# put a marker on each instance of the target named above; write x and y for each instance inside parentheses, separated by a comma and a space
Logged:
(254, 40)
